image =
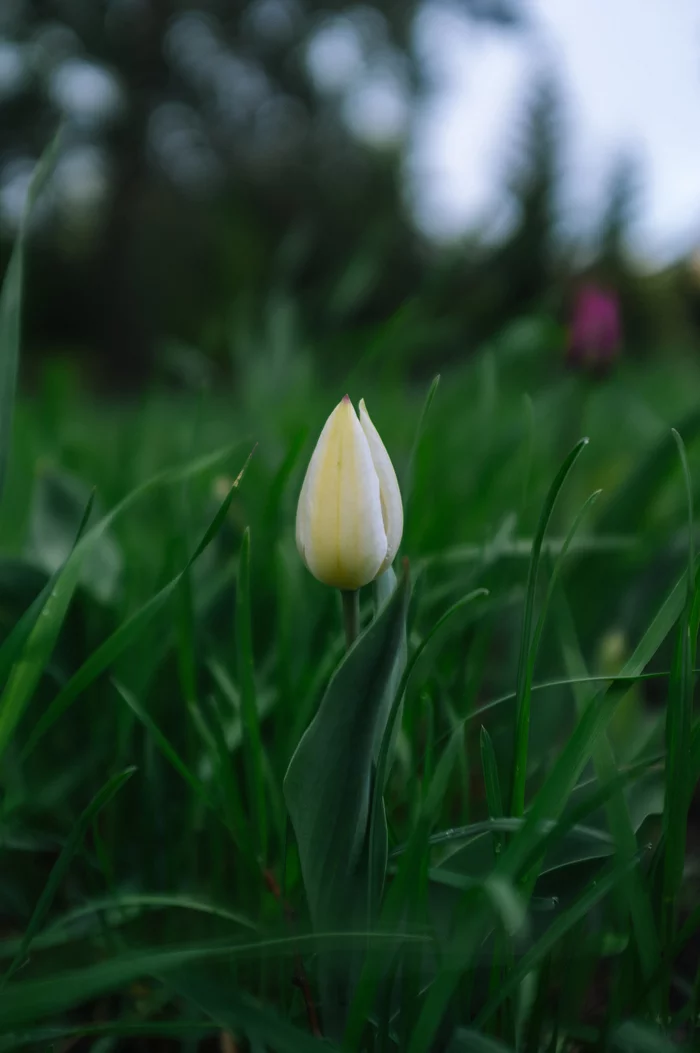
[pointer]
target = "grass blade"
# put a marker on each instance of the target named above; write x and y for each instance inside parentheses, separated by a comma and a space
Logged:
(254, 759)
(636, 897)
(129, 631)
(679, 715)
(11, 312)
(549, 939)
(60, 868)
(549, 802)
(526, 659)
(492, 784)
(376, 818)
(408, 480)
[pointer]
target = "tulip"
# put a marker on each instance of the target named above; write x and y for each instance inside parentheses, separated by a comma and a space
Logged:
(349, 517)
(595, 334)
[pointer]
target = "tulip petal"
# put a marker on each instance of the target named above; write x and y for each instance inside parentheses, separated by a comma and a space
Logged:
(340, 529)
(392, 508)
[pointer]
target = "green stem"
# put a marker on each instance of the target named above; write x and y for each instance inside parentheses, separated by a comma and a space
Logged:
(351, 615)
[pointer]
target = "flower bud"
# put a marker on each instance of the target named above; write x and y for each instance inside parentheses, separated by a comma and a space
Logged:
(349, 517)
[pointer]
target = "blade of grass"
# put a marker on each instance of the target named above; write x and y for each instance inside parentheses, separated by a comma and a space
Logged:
(195, 784)
(377, 802)
(60, 867)
(27, 1002)
(635, 892)
(492, 784)
(29, 666)
(549, 939)
(11, 311)
(136, 901)
(525, 660)
(468, 1040)
(193, 1029)
(15, 640)
(253, 754)
(550, 800)
(129, 631)
(631, 500)
(408, 480)
(234, 1011)
(679, 713)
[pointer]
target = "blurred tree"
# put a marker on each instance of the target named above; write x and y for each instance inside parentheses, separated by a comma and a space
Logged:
(211, 148)
(620, 212)
(522, 270)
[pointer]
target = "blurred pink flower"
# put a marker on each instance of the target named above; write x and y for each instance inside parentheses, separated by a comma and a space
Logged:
(595, 332)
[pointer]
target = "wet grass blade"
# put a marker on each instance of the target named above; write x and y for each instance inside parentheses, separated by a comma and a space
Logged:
(524, 678)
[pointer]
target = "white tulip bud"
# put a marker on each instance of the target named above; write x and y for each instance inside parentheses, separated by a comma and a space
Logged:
(349, 517)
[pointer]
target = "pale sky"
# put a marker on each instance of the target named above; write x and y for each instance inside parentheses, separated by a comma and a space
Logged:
(630, 75)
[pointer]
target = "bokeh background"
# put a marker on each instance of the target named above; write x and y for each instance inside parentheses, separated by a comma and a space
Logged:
(256, 206)
(440, 168)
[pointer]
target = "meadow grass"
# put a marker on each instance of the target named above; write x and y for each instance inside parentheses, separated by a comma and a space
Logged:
(163, 650)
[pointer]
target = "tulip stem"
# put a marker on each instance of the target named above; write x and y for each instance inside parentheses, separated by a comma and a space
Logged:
(351, 615)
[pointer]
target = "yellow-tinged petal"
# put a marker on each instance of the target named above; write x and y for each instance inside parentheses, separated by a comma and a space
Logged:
(340, 527)
(390, 495)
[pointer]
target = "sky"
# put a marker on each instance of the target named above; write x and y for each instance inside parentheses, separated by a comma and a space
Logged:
(629, 71)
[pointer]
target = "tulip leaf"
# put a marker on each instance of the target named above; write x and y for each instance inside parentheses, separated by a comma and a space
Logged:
(328, 783)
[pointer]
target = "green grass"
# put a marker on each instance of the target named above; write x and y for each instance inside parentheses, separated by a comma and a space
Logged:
(514, 788)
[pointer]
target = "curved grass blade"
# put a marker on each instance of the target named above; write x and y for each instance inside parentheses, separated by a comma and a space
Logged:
(632, 499)
(550, 800)
(11, 311)
(634, 1037)
(107, 653)
(545, 944)
(15, 640)
(195, 784)
(27, 1002)
(60, 868)
(522, 701)
(468, 1040)
(232, 1010)
(679, 717)
(408, 480)
(555, 791)
(634, 896)
(138, 901)
(556, 571)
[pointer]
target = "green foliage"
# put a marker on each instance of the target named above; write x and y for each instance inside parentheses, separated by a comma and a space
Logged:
(384, 893)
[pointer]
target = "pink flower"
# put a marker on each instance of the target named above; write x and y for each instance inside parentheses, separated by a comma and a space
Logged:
(595, 333)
